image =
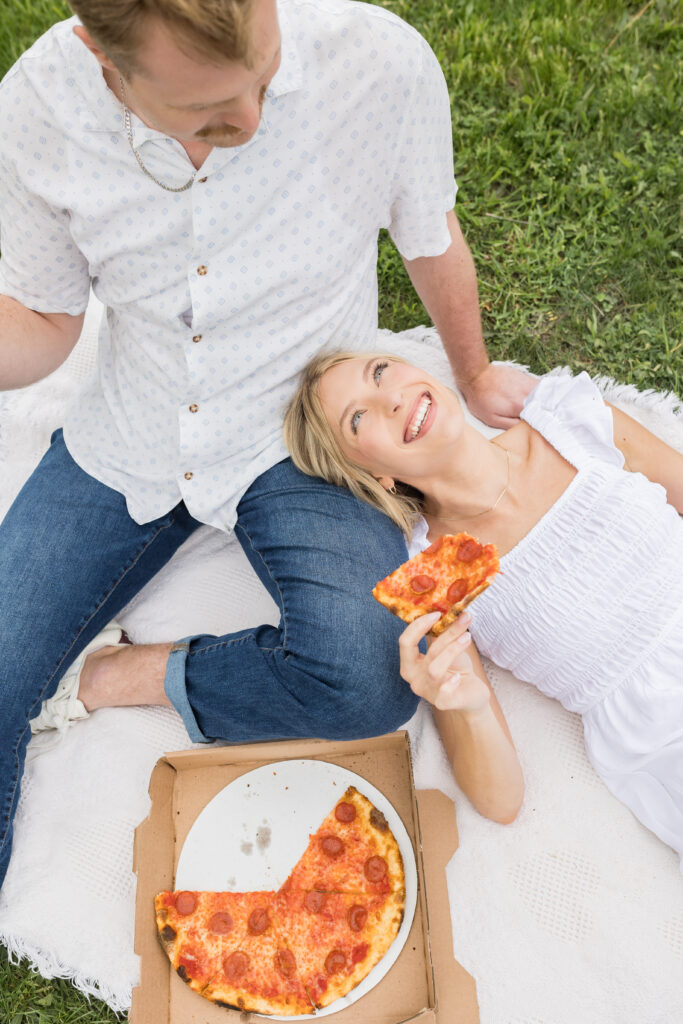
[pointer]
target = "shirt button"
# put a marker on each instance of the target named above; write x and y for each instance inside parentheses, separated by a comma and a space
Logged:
(202, 180)
(194, 408)
(201, 270)
(188, 476)
(197, 337)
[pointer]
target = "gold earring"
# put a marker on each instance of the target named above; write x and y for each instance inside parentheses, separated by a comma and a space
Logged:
(392, 489)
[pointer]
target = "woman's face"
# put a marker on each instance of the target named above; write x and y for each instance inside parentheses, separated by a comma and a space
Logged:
(390, 417)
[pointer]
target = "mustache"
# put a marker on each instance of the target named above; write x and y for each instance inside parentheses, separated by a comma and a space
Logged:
(229, 130)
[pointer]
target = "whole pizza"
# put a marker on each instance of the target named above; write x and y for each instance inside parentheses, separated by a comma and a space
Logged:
(296, 950)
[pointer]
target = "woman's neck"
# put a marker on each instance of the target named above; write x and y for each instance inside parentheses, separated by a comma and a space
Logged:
(470, 480)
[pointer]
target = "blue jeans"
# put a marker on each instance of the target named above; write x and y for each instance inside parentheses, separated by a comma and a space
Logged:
(71, 558)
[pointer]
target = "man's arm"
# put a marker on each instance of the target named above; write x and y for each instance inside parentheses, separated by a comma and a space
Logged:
(447, 285)
(32, 344)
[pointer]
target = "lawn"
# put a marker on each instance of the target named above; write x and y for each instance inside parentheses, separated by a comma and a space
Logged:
(567, 139)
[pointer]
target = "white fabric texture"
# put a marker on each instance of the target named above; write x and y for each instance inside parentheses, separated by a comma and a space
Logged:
(218, 295)
(571, 915)
(589, 607)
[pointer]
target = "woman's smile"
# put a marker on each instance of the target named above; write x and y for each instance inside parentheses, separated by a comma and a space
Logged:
(420, 417)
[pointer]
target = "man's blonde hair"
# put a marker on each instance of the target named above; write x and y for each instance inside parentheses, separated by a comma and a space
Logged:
(216, 30)
(316, 452)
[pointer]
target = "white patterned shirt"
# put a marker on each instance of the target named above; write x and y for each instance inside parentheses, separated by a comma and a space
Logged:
(216, 297)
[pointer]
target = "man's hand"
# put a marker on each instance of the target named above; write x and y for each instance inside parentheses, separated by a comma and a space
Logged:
(497, 394)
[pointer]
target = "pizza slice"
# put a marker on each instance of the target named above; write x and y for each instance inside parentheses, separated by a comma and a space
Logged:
(445, 577)
(224, 946)
(354, 850)
(336, 938)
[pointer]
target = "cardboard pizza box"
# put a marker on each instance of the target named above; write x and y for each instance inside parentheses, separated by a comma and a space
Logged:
(425, 985)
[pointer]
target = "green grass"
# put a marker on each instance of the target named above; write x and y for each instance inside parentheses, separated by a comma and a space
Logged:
(26, 998)
(567, 138)
(567, 155)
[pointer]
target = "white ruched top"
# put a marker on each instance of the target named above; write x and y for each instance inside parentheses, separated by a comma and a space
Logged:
(589, 606)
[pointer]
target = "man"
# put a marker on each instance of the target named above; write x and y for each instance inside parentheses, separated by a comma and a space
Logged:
(219, 172)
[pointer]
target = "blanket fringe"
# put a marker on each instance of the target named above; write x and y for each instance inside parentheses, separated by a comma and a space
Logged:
(48, 966)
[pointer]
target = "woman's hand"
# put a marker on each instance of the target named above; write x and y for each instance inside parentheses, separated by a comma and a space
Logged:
(445, 675)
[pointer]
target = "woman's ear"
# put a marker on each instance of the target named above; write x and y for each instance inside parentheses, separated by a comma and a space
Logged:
(387, 483)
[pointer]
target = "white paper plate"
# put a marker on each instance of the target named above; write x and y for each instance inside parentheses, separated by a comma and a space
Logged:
(250, 836)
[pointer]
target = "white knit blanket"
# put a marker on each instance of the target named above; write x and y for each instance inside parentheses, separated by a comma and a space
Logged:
(572, 915)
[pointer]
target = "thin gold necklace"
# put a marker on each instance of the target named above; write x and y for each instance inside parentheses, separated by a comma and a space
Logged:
(454, 519)
(129, 132)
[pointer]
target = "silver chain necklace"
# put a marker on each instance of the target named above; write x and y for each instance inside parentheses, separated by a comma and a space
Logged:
(129, 132)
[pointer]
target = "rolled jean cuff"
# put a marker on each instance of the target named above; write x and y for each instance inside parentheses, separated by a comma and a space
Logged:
(174, 687)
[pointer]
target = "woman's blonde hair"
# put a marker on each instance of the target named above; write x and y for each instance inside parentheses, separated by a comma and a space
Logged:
(316, 452)
(217, 30)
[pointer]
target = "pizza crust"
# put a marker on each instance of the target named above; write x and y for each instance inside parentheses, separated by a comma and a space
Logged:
(446, 620)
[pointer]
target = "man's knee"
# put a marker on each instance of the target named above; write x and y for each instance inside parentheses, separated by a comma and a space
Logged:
(368, 717)
(364, 704)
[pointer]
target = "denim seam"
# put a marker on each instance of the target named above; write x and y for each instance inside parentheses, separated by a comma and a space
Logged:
(282, 646)
(229, 643)
(121, 576)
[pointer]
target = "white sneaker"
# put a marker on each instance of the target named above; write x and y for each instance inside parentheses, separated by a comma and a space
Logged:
(64, 706)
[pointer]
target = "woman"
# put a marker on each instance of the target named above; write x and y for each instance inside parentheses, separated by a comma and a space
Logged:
(584, 507)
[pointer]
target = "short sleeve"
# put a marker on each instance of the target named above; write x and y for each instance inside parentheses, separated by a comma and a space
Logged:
(571, 414)
(423, 185)
(41, 266)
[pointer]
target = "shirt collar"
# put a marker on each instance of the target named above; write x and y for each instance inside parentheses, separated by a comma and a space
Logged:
(100, 111)
(289, 76)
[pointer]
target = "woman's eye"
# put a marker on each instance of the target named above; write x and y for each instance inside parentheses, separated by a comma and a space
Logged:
(377, 372)
(355, 420)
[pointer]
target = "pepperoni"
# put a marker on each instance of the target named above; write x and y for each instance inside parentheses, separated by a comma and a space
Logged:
(335, 961)
(359, 953)
(185, 903)
(422, 584)
(314, 901)
(236, 965)
(433, 548)
(258, 921)
(457, 591)
(221, 923)
(375, 868)
(285, 962)
(356, 917)
(468, 550)
(345, 811)
(319, 986)
(332, 846)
